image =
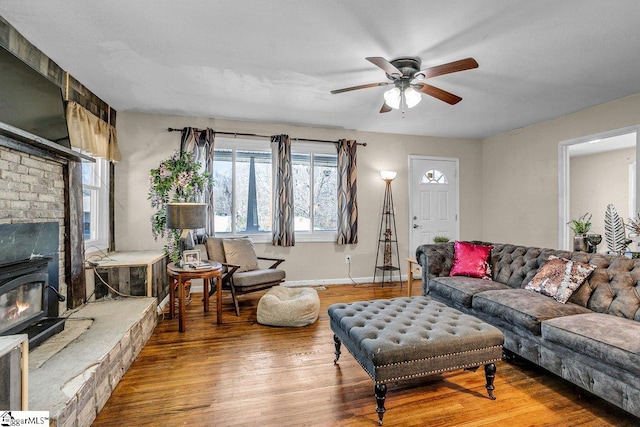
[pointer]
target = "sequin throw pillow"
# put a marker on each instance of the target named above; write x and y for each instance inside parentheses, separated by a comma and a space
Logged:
(559, 278)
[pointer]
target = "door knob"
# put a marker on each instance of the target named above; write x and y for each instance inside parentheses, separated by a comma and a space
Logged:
(416, 226)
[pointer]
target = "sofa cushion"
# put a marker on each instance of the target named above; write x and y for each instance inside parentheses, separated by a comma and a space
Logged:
(559, 278)
(461, 289)
(610, 339)
(523, 308)
(471, 260)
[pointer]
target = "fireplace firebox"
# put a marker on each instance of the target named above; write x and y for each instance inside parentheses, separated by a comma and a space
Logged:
(24, 292)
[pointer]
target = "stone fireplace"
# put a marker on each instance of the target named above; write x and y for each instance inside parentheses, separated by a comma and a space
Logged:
(73, 373)
(40, 218)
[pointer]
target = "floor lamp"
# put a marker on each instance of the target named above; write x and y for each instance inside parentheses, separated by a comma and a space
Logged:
(388, 236)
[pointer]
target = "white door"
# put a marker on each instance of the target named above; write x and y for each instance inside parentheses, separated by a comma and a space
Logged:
(433, 200)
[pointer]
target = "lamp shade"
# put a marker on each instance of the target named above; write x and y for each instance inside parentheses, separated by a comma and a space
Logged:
(412, 97)
(393, 97)
(388, 175)
(186, 215)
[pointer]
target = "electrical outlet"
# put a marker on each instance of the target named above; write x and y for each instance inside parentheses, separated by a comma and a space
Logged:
(347, 259)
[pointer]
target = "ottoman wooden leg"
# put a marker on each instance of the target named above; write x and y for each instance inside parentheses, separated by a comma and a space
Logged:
(337, 343)
(490, 374)
(380, 391)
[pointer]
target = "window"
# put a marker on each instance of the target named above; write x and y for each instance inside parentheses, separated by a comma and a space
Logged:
(95, 203)
(433, 176)
(242, 185)
(243, 196)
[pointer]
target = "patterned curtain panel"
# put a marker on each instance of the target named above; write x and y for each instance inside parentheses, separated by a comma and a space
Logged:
(283, 227)
(200, 144)
(347, 192)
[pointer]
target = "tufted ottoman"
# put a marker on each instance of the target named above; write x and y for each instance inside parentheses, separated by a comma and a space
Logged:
(284, 306)
(413, 337)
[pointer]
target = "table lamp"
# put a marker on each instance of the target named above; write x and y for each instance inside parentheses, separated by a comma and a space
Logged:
(186, 217)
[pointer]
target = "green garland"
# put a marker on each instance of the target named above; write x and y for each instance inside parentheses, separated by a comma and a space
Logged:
(177, 179)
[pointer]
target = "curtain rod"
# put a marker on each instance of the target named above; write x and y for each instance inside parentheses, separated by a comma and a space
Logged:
(364, 144)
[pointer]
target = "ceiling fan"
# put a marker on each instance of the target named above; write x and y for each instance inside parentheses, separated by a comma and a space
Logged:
(408, 80)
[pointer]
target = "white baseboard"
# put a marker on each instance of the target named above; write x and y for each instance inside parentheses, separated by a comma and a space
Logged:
(197, 287)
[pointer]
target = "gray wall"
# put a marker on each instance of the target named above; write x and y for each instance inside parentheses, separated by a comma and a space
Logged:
(520, 172)
(508, 182)
(597, 180)
(145, 142)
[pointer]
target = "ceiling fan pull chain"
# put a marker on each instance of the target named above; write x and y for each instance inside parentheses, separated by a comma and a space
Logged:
(403, 101)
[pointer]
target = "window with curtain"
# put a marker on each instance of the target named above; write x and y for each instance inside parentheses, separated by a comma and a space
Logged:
(95, 203)
(243, 180)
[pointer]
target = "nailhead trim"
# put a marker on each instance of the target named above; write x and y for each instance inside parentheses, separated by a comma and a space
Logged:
(422, 374)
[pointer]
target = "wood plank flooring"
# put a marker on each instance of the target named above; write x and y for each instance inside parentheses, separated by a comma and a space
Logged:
(241, 373)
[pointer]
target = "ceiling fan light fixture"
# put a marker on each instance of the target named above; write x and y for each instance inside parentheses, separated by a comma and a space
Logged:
(412, 97)
(393, 97)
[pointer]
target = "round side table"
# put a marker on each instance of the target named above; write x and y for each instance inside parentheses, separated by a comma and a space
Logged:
(182, 275)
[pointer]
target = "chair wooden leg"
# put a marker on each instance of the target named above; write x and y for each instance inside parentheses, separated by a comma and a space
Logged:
(233, 296)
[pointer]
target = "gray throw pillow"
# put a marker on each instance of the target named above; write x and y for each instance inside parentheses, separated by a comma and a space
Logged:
(241, 252)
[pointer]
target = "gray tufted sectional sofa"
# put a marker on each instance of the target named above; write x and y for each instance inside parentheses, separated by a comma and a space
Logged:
(593, 340)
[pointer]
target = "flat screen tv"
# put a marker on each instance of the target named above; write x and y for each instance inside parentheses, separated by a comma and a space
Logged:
(31, 102)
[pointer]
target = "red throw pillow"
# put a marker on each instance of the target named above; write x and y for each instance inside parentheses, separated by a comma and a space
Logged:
(471, 260)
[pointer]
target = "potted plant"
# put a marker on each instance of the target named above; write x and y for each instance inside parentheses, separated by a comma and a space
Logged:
(177, 179)
(580, 227)
(440, 239)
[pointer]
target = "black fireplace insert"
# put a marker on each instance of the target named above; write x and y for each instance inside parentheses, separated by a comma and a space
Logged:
(24, 294)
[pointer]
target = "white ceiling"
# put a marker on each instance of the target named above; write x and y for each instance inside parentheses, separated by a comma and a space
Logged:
(277, 60)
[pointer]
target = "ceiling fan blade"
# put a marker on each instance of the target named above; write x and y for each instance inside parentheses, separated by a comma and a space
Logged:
(347, 89)
(385, 65)
(385, 108)
(451, 67)
(436, 92)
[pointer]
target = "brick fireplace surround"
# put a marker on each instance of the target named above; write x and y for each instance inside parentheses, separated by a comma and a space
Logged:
(31, 191)
(72, 380)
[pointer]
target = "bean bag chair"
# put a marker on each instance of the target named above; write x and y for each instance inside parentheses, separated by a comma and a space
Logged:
(285, 306)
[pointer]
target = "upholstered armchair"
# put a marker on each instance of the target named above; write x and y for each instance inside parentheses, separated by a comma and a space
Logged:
(242, 271)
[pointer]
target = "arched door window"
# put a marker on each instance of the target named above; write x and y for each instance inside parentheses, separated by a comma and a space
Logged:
(433, 176)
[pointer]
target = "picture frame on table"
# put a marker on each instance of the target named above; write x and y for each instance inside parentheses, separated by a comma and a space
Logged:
(191, 258)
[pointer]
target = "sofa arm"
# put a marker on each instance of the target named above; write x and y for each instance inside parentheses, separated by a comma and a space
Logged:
(436, 260)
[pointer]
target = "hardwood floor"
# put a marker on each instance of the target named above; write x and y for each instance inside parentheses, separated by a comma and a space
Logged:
(241, 373)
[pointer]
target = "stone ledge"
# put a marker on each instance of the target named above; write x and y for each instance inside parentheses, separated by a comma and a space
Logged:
(75, 382)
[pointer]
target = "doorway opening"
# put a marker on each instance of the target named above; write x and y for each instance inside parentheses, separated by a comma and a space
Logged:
(594, 171)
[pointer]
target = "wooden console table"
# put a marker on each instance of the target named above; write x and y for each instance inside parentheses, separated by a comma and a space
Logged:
(182, 275)
(414, 266)
(139, 273)
(20, 386)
